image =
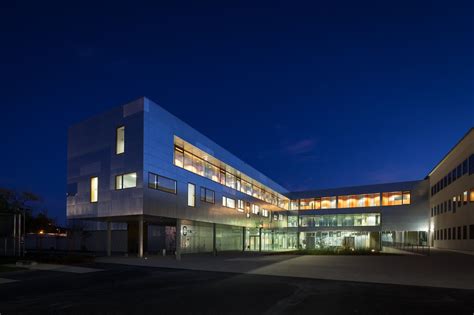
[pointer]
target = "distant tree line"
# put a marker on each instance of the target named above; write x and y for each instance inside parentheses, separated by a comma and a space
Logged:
(13, 202)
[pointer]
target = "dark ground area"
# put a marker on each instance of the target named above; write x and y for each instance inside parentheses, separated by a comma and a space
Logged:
(134, 290)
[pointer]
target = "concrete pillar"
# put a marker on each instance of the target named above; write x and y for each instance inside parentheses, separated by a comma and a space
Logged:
(19, 234)
(178, 239)
(214, 246)
(140, 237)
(14, 234)
(243, 239)
(273, 241)
(109, 238)
(259, 239)
(298, 238)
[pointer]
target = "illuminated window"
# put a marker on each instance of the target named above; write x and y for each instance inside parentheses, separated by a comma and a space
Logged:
(124, 181)
(207, 195)
(464, 197)
(191, 195)
(240, 205)
(328, 202)
(265, 213)
(161, 183)
(406, 198)
(199, 162)
(307, 204)
(255, 209)
(292, 221)
(393, 198)
(228, 202)
(178, 157)
(120, 139)
(471, 197)
(94, 189)
(294, 205)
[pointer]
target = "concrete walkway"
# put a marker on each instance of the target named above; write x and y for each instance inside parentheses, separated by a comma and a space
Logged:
(453, 270)
(63, 268)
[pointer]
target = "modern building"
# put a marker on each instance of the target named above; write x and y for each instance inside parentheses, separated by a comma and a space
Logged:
(452, 197)
(139, 169)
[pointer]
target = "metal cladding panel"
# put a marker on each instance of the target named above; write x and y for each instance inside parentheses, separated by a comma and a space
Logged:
(160, 129)
(92, 152)
(412, 217)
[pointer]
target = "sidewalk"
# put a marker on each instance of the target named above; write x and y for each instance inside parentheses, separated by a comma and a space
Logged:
(453, 271)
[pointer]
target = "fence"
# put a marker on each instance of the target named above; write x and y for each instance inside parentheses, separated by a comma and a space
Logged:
(409, 247)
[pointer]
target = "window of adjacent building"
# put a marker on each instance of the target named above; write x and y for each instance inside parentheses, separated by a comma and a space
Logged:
(240, 205)
(471, 195)
(94, 189)
(207, 195)
(228, 202)
(464, 197)
(124, 181)
(464, 232)
(265, 213)
(191, 195)
(120, 136)
(162, 183)
(281, 217)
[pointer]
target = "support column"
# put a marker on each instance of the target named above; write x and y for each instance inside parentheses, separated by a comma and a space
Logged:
(109, 238)
(214, 249)
(178, 239)
(140, 237)
(19, 234)
(14, 234)
(243, 239)
(259, 239)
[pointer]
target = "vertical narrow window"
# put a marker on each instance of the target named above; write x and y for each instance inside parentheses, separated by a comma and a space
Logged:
(120, 146)
(240, 205)
(191, 195)
(94, 189)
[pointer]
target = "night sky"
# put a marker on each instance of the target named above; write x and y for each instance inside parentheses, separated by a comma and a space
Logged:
(314, 95)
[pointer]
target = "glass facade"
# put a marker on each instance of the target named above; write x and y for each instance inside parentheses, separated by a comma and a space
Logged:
(200, 163)
(353, 201)
(362, 219)
(340, 239)
(358, 201)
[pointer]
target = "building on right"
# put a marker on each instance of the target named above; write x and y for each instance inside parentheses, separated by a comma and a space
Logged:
(452, 197)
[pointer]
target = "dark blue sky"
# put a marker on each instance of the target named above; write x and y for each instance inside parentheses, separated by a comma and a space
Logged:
(313, 94)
